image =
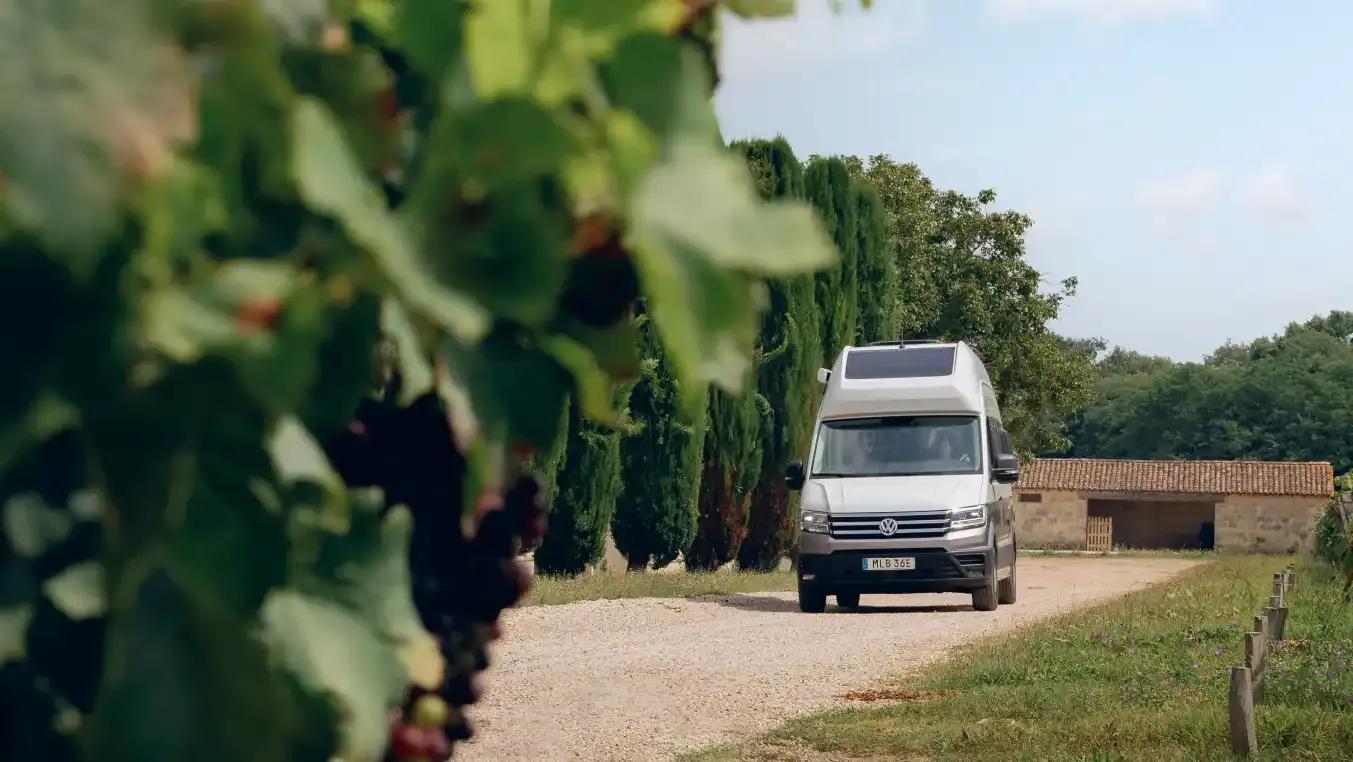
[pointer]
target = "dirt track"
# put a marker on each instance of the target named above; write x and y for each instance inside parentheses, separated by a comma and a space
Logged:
(649, 678)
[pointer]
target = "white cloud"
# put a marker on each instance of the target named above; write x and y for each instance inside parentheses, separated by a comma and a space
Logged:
(1272, 193)
(1194, 191)
(816, 35)
(1275, 192)
(1099, 10)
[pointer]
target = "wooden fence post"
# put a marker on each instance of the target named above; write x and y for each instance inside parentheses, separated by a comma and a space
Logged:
(1243, 741)
(1247, 682)
(1274, 612)
(1256, 653)
(1256, 658)
(1278, 602)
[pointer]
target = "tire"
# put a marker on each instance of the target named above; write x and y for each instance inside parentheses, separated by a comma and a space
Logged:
(812, 601)
(985, 598)
(1005, 589)
(848, 600)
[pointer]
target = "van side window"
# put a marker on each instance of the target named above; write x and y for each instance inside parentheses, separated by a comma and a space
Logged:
(993, 410)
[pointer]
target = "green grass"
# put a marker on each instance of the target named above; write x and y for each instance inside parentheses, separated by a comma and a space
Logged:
(1145, 677)
(549, 591)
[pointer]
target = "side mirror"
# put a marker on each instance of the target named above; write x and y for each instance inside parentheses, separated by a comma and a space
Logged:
(794, 475)
(823, 375)
(1006, 469)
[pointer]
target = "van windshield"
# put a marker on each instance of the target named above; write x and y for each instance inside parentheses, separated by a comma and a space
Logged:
(898, 446)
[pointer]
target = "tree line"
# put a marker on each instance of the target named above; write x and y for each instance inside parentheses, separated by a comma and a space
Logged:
(1281, 397)
(916, 261)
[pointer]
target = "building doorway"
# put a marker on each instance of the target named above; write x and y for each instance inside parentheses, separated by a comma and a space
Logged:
(1159, 524)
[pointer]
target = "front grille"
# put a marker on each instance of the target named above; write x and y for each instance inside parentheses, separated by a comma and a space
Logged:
(910, 526)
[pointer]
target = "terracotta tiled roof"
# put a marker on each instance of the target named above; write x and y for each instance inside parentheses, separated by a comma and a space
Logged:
(1212, 477)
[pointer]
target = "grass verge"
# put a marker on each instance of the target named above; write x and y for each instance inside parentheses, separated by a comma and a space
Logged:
(548, 591)
(1144, 677)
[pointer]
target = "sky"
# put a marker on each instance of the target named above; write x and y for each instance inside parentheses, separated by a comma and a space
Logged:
(1187, 160)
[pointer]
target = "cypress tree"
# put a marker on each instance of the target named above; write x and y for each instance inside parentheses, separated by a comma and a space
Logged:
(876, 270)
(660, 468)
(786, 375)
(588, 485)
(828, 186)
(546, 464)
(730, 467)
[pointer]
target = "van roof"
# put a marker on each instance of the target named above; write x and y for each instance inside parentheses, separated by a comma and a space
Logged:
(903, 379)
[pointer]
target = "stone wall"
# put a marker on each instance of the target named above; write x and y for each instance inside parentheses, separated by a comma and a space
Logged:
(1244, 523)
(1056, 522)
(1268, 524)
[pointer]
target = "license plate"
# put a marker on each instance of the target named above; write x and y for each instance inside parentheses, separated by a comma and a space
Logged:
(892, 563)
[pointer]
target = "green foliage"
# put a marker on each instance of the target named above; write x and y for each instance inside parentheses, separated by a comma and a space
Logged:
(963, 276)
(660, 468)
(222, 210)
(546, 464)
(1334, 528)
(1278, 398)
(828, 187)
(878, 301)
(587, 489)
(786, 374)
(729, 469)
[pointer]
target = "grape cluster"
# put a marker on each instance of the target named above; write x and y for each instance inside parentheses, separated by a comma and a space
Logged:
(602, 284)
(461, 583)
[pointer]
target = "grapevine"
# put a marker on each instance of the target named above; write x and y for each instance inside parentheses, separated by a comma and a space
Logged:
(316, 279)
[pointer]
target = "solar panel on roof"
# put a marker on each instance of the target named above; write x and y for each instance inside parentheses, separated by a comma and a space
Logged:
(908, 362)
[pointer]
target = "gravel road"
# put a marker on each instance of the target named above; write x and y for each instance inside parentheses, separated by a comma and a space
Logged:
(648, 678)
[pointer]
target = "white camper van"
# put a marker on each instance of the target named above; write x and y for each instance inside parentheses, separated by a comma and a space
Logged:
(907, 485)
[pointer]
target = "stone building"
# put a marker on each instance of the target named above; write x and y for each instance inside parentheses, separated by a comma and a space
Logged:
(1228, 505)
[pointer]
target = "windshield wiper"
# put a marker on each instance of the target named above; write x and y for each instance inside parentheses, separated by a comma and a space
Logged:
(834, 475)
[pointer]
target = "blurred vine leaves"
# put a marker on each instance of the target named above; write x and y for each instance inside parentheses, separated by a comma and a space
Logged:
(219, 208)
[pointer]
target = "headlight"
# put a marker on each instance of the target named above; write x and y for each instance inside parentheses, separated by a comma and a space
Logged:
(967, 518)
(814, 521)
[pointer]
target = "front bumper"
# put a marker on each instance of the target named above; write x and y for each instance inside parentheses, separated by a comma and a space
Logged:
(938, 570)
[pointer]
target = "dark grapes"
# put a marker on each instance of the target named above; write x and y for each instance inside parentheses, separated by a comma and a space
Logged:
(461, 583)
(602, 285)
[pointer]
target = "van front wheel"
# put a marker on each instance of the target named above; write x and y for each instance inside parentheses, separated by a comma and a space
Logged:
(984, 599)
(811, 601)
(1006, 588)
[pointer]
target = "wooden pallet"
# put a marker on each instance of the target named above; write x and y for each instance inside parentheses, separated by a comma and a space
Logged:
(1099, 534)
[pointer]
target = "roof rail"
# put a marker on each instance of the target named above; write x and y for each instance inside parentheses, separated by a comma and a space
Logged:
(904, 343)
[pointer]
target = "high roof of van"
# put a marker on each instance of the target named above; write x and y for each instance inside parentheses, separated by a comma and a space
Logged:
(903, 379)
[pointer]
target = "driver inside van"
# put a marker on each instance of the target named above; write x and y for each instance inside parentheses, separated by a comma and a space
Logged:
(945, 446)
(865, 452)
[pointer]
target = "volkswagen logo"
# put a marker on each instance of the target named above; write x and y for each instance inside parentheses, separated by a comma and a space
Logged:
(887, 527)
